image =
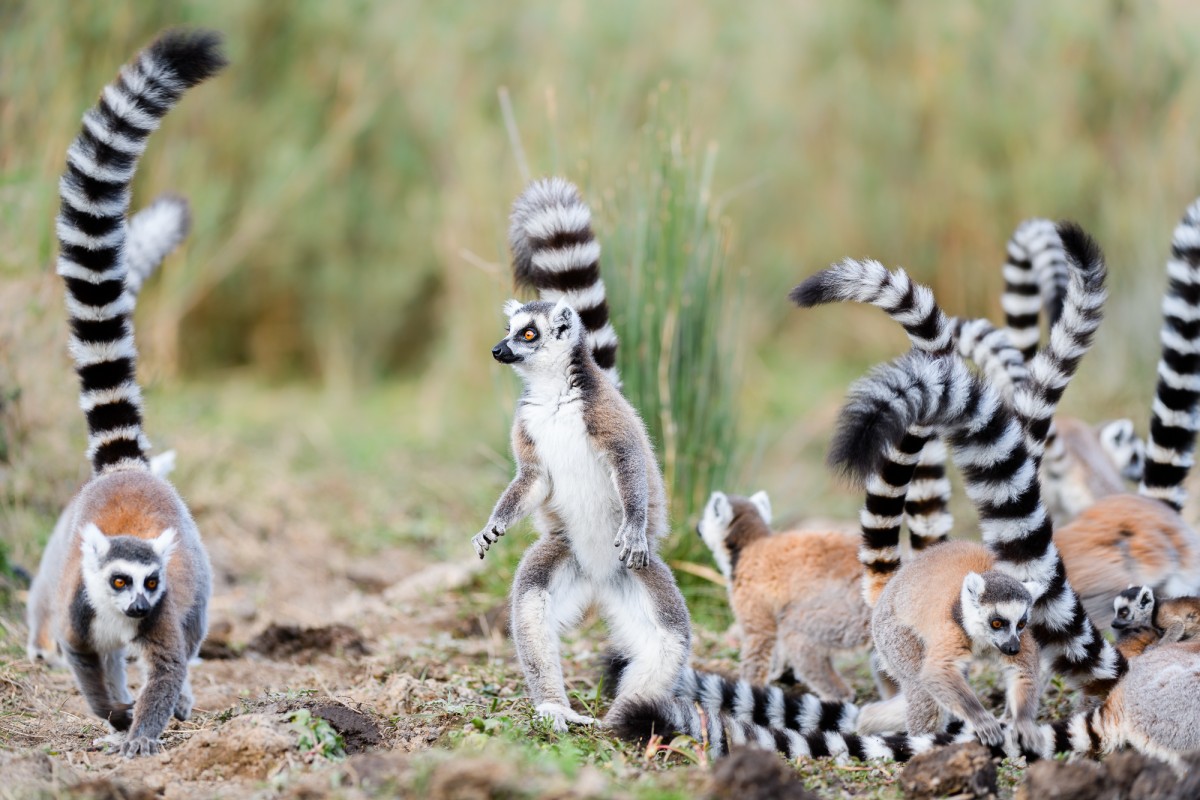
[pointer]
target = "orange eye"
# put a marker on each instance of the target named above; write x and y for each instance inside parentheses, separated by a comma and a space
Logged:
(118, 583)
(997, 624)
(529, 334)
(1021, 625)
(152, 584)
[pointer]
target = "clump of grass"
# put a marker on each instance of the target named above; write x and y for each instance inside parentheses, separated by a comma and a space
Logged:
(675, 305)
(317, 737)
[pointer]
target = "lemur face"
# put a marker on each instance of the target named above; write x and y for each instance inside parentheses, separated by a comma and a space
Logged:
(1133, 608)
(1127, 451)
(539, 335)
(995, 610)
(125, 574)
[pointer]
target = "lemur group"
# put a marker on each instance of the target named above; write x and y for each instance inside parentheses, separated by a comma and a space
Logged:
(1066, 550)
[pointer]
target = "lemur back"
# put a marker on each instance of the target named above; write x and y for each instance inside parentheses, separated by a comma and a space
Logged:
(794, 594)
(125, 565)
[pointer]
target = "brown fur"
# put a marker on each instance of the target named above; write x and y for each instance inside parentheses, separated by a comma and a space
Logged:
(1178, 618)
(1125, 539)
(799, 590)
(1132, 643)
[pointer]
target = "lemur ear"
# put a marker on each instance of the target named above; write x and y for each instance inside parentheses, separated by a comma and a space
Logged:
(512, 306)
(973, 585)
(763, 504)
(562, 318)
(164, 543)
(719, 509)
(1035, 589)
(1145, 596)
(93, 542)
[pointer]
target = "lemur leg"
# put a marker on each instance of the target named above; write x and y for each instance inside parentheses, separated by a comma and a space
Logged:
(1022, 699)
(114, 676)
(1172, 634)
(89, 671)
(165, 660)
(183, 706)
(648, 622)
(549, 595)
(922, 713)
(759, 634)
(814, 665)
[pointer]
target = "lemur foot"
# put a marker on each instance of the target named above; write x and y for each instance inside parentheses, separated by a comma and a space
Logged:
(140, 746)
(559, 715)
(635, 550)
(487, 537)
(121, 717)
(183, 706)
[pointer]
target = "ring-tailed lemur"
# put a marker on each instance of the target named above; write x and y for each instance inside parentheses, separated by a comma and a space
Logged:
(125, 567)
(1155, 709)
(587, 474)
(793, 594)
(1177, 618)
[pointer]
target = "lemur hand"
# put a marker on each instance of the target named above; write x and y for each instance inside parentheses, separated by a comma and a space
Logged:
(487, 537)
(990, 731)
(140, 746)
(635, 550)
(559, 715)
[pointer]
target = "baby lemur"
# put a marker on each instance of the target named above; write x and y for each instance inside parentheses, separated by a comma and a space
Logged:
(1175, 618)
(125, 568)
(794, 594)
(587, 474)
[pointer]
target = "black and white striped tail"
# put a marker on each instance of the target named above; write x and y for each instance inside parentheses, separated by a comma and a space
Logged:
(719, 733)
(1082, 734)
(989, 447)
(92, 235)
(927, 501)
(1036, 275)
(1176, 411)
(555, 252)
(742, 701)
(154, 232)
(1036, 399)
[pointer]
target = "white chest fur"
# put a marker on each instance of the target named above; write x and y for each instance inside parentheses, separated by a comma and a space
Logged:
(112, 630)
(583, 493)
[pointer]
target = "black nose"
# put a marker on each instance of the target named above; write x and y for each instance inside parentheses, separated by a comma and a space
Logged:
(503, 353)
(1011, 647)
(139, 608)
(1118, 623)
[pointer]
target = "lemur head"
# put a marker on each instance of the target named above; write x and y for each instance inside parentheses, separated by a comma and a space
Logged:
(540, 336)
(729, 522)
(1133, 608)
(1122, 444)
(995, 610)
(125, 574)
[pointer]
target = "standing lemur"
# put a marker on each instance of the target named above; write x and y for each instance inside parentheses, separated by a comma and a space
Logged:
(125, 568)
(587, 473)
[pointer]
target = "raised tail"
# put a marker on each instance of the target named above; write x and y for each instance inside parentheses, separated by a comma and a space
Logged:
(555, 252)
(989, 448)
(154, 232)
(1035, 275)
(1175, 418)
(92, 235)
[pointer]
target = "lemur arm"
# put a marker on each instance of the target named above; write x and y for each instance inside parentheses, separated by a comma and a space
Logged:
(1023, 695)
(627, 462)
(1173, 633)
(526, 492)
(88, 668)
(944, 681)
(166, 670)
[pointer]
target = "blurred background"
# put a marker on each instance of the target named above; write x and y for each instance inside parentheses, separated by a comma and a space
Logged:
(317, 351)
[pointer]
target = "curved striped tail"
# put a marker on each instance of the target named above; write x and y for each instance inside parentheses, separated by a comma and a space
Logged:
(92, 235)
(555, 252)
(1175, 417)
(154, 232)
(1036, 274)
(989, 447)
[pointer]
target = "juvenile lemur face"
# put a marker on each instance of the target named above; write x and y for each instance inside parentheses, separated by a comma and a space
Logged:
(125, 574)
(1127, 451)
(995, 610)
(717, 520)
(540, 336)
(1133, 608)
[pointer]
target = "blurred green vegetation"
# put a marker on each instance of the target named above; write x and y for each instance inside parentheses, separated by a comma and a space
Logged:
(351, 175)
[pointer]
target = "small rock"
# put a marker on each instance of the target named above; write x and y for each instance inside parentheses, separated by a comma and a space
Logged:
(293, 643)
(1069, 780)
(358, 731)
(750, 773)
(961, 769)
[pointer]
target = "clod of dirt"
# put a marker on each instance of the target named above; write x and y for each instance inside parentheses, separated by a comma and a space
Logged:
(215, 646)
(1069, 780)
(32, 771)
(962, 769)
(749, 773)
(251, 746)
(293, 643)
(358, 731)
(105, 789)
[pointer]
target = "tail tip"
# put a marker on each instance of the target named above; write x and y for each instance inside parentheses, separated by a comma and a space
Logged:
(638, 721)
(192, 54)
(1081, 248)
(814, 291)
